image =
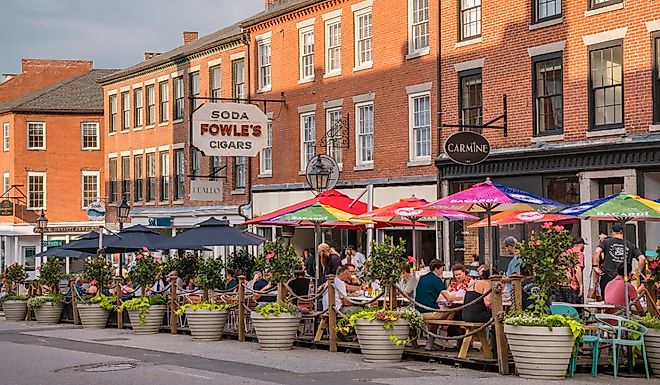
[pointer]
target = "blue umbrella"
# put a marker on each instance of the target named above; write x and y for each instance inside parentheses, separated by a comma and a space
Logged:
(89, 243)
(212, 232)
(62, 252)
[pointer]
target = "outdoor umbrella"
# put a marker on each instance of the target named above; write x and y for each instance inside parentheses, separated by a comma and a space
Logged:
(521, 217)
(61, 252)
(489, 197)
(622, 208)
(413, 209)
(211, 232)
(89, 242)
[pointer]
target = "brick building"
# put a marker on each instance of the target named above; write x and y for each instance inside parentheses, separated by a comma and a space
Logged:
(51, 155)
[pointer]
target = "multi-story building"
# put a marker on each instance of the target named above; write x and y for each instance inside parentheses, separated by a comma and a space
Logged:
(51, 158)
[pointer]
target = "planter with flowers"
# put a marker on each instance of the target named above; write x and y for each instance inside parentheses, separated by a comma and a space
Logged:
(207, 319)
(48, 308)
(542, 344)
(276, 324)
(652, 341)
(94, 310)
(14, 305)
(145, 312)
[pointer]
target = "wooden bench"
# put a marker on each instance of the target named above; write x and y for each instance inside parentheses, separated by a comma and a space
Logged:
(467, 341)
(322, 326)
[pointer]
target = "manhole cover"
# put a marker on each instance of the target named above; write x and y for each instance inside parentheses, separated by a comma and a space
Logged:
(109, 339)
(100, 367)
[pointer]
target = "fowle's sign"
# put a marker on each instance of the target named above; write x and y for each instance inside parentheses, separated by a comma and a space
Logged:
(229, 129)
(467, 147)
(205, 190)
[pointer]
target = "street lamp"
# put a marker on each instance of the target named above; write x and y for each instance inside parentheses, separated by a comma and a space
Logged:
(319, 176)
(42, 223)
(122, 215)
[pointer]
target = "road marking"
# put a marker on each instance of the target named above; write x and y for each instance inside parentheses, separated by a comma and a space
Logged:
(190, 374)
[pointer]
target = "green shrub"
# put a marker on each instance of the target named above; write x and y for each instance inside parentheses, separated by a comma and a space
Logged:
(35, 303)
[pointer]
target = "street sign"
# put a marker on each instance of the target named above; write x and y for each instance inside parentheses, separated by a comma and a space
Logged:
(53, 243)
(66, 229)
(467, 147)
(96, 211)
(229, 129)
(160, 222)
(205, 190)
(6, 208)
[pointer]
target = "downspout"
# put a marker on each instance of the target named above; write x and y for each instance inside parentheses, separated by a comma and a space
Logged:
(444, 249)
(248, 182)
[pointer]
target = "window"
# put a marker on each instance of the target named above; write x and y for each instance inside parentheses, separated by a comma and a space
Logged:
(36, 186)
(263, 50)
(125, 111)
(363, 38)
(308, 135)
(240, 163)
(656, 77)
(112, 178)
(178, 98)
(593, 4)
(194, 89)
(334, 133)
(90, 187)
(216, 167)
(138, 107)
(6, 184)
(90, 136)
(215, 80)
(606, 87)
(238, 79)
(306, 41)
(164, 97)
(112, 122)
(471, 111)
(548, 94)
(420, 126)
(470, 19)
(546, 9)
(267, 152)
(365, 133)
(564, 189)
(164, 176)
(5, 137)
(138, 180)
(333, 46)
(151, 177)
(28, 258)
(126, 178)
(179, 174)
(36, 135)
(196, 164)
(419, 25)
(151, 105)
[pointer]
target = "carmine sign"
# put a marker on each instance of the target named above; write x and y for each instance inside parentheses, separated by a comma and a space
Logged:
(230, 129)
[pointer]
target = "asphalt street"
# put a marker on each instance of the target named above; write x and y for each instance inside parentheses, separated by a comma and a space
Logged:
(64, 354)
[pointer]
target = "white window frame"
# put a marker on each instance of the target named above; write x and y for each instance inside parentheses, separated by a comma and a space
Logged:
(412, 37)
(411, 127)
(334, 22)
(28, 135)
(96, 174)
(5, 137)
(27, 189)
(82, 136)
(358, 135)
(265, 69)
(331, 144)
(303, 143)
(125, 111)
(359, 64)
(6, 185)
(302, 55)
(266, 168)
(138, 107)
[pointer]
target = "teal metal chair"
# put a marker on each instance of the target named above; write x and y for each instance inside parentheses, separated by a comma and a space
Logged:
(621, 332)
(570, 311)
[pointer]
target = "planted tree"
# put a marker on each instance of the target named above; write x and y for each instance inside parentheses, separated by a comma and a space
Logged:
(98, 270)
(13, 276)
(243, 261)
(50, 274)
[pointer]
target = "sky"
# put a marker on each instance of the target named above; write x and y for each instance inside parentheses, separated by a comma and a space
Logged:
(112, 33)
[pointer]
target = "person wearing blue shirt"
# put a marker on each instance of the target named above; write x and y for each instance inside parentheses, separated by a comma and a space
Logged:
(510, 244)
(428, 290)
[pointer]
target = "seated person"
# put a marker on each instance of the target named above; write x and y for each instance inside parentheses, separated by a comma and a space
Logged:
(232, 282)
(93, 288)
(189, 283)
(479, 311)
(354, 283)
(615, 294)
(256, 276)
(341, 302)
(458, 285)
(80, 288)
(407, 282)
(428, 290)
(127, 290)
(159, 285)
(299, 286)
(263, 285)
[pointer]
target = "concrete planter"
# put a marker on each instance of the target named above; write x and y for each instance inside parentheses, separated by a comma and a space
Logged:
(375, 341)
(206, 325)
(652, 342)
(15, 310)
(49, 313)
(92, 316)
(539, 352)
(275, 333)
(153, 319)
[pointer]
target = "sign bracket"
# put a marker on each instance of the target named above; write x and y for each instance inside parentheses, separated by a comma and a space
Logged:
(491, 123)
(214, 174)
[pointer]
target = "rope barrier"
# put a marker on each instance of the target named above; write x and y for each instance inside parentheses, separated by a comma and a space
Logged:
(358, 303)
(471, 333)
(311, 297)
(443, 310)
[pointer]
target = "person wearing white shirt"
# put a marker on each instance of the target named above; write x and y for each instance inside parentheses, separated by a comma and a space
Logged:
(343, 276)
(353, 256)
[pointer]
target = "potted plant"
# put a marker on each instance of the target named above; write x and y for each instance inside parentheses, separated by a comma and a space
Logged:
(242, 261)
(145, 312)
(276, 323)
(48, 308)
(652, 341)
(94, 310)
(14, 305)
(542, 344)
(206, 319)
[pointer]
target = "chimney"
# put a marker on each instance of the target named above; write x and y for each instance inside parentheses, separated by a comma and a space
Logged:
(269, 3)
(189, 36)
(150, 55)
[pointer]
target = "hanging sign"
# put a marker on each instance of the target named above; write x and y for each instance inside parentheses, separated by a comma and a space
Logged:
(205, 190)
(6, 208)
(229, 129)
(96, 211)
(467, 147)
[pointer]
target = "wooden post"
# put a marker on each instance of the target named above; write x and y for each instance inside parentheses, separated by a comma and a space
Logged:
(74, 300)
(120, 314)
(241, 309)
(392, 296)
(332, 314)
(652, 301)
(502, 348)
(516, 281)
(173, 295)
(281, 293)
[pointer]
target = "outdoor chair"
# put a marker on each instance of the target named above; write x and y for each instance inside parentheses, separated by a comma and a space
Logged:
(588, 339)
(621, 332)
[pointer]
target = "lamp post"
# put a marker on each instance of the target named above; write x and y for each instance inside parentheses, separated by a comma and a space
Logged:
(123, 211)
(42, 224)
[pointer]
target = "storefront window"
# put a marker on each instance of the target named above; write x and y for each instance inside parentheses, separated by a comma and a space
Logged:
(563, 189)
(607, 187)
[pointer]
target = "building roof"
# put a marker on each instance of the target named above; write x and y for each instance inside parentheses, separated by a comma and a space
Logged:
(279, 8)
(82, 93)
(223, 36)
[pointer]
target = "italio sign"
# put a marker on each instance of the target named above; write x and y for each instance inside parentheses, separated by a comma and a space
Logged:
(467, 147)
(205, 190)
(229, 129)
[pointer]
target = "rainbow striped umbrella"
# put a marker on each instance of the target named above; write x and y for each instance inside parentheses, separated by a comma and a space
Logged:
(319, 213)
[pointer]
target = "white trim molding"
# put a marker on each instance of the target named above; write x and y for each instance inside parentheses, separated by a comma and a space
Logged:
(112, 92)
(125, 89)
(263, 36)
(546, 48)
(544, 24)
(333, 103)
(469, 65)
(467, 42)
(606, 36)
(237, 55)
(331, 15)
(653, 26)
(307, 108)
(177, 74)
(178, 146)
(164, 148)
(125, 153)
(138, 152)
(305, 23)
(654, 128)
(163, 78)
(612, 132)
(149, 82)
(214, 62)
(194, 68)
(362, 5)
(609, 8)
(418, 88)
(369, 97)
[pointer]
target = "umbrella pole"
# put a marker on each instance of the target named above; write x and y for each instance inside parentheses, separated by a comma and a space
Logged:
(489, 234)
(317, 237)
(625, 267)
(414, 243)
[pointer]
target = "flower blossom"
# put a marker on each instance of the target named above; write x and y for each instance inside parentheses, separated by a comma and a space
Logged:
(270, 255)
(559, 228)
(93, 282)
(546, 225)
(411, 259)
(138, 257)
